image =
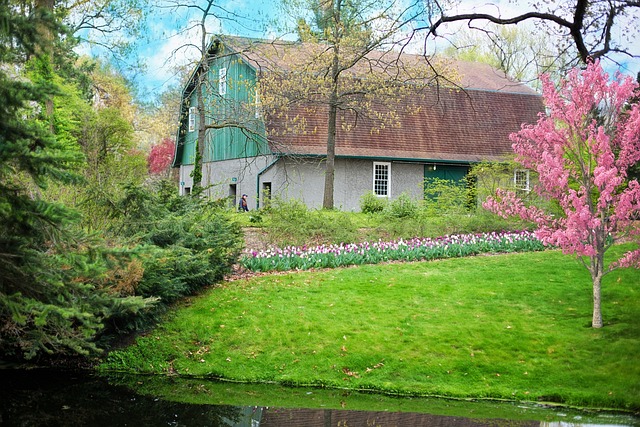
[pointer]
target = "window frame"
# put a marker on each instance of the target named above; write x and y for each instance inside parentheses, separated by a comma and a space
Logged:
(222, 81)
(378, 183)
(518, 183)
(258, 103)
(192, 119)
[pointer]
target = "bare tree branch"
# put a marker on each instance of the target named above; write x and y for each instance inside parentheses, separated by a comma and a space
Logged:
(578, 30)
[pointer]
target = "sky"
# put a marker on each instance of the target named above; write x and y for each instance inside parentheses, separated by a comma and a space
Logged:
(172, 35)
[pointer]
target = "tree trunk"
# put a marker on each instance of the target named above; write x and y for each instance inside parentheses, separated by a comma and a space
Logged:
(198, 173)
(597, 273)
(597, 313)
(46, 7)
(329, 178)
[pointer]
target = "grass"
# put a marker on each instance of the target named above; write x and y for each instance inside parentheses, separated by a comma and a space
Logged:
(513, 327)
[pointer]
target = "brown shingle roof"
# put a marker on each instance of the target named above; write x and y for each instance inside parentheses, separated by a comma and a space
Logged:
(466, 125)
(269, 54)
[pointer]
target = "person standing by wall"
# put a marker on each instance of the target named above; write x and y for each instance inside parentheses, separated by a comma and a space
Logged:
(242, 205)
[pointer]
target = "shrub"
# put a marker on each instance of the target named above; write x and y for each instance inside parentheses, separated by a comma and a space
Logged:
(330, 226)
(255, 218)
(402, 207)
(287, 211)
(443, 196)
(69, 303)
(183, 244)
(292, 223)
(370, 203)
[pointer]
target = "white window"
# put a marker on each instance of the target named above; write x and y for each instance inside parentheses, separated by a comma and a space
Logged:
(222, 81)
(381, 179)
(521, 179)
(192, 119)
(258, 105)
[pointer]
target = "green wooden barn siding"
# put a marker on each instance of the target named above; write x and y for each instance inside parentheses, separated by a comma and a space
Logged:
(189, 150)
(229, 142)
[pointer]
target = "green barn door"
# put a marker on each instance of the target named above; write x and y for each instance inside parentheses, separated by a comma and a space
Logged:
(455, 174)
(451, 173)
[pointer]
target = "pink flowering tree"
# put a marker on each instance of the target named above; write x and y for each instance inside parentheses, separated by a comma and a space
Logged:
(582, 149)
(161, 156)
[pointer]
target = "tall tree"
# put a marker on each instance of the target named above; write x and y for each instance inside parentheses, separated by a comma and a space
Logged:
(29, 153)
(114, 159)
(114, 26)
(348, 66)
(593, 28)
(204, 14)
(582, 151)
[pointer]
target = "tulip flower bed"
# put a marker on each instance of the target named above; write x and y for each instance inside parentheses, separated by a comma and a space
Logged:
(417, 249)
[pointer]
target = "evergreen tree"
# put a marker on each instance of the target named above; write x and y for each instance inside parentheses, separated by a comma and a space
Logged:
(29, 152)
(52, 298)
(61, 292)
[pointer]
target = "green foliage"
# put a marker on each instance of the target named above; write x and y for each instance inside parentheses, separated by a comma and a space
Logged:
(49, 301)
(444, 197)
(292, 223)
(489, 176)
(287, 211)
(182, 244)
(71, 113)
(402, 207)
(134, 211)
(105, 138)
(80, 299)
(196, 173)
(63, 303)
(329, 19)
(63, 162)
(113, 163)
(255, 218)
(370, 203)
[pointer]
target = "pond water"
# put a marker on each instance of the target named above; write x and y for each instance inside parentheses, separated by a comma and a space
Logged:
(42, 397)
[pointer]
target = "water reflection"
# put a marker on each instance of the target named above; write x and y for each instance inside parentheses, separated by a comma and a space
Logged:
(51, 398)
(54, 398)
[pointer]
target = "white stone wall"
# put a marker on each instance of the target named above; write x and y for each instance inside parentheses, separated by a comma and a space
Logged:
(303, 179)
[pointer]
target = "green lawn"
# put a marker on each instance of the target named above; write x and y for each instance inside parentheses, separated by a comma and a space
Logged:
(512, 327)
